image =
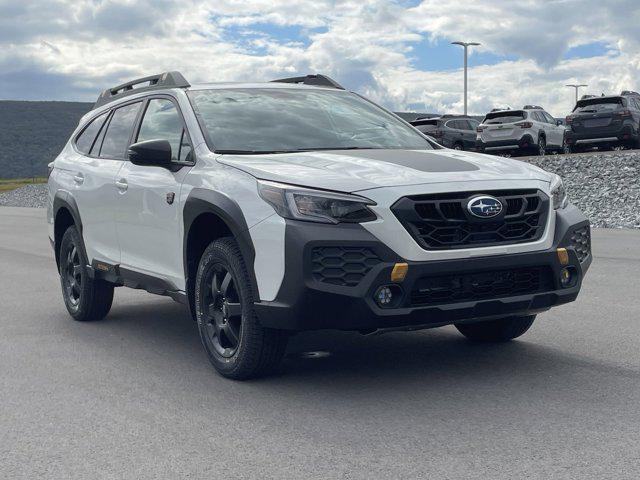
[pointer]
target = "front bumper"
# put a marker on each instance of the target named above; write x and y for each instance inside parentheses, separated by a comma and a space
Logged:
(306, 303)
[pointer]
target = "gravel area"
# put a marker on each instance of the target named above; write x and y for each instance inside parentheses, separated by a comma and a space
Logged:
(27, 196)
(605, 186)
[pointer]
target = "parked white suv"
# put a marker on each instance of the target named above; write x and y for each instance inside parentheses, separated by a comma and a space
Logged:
(271, 208)
(530, 130)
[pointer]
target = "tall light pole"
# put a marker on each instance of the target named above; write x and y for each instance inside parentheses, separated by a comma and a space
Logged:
(577, 86)
(466, 46)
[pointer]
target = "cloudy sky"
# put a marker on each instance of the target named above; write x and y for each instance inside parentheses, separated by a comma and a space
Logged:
(396, 52)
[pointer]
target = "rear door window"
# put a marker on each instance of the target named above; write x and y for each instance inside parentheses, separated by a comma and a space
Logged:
(116, 138)
(85, 140)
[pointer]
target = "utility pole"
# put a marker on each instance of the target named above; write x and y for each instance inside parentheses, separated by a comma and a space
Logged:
(466, 46)
(577, 86)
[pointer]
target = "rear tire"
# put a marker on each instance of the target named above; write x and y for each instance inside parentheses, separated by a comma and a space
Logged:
(236, 344)
(542, 147)
(86, 298)
(501, 330)
(457, 146)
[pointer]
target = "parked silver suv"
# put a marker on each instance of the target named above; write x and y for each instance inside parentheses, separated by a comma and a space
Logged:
(530, 129)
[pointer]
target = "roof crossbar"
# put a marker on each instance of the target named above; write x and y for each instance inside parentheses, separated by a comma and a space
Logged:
(315, 80)
(153, 82)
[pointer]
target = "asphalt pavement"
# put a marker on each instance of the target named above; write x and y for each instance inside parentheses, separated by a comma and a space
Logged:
(133, 396)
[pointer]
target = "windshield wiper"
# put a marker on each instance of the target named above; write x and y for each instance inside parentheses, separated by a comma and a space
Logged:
(317, 149)
(252, 152)
(266, 152)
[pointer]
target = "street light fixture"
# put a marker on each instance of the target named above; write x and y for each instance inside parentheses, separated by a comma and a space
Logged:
(466, 46)
(577, 86)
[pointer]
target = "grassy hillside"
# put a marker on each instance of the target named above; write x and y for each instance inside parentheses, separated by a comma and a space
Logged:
(33, 133)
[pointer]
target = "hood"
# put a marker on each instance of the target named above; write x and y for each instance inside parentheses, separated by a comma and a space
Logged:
(355, 170)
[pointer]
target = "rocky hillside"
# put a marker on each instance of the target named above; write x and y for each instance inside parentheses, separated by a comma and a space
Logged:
(33, 133)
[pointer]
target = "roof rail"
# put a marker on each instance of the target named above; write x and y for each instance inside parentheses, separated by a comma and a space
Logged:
(532, 107)
(500, 109)
(154, 82)
(629, 92)
(316, 80)
(584, 97)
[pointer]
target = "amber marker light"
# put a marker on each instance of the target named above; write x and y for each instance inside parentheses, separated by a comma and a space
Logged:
(399, 272)
(563, 256)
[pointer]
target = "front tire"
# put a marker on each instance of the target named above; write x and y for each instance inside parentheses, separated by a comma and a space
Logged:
(501, 330)
(236, 344)
(86, 298)
(542, 147)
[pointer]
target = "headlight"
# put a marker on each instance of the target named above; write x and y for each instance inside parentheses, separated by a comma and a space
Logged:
(314, 205)
(559, 197)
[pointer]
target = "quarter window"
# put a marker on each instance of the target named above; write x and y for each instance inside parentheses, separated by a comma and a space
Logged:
(84, 142)
(116, 140)
(162, 121)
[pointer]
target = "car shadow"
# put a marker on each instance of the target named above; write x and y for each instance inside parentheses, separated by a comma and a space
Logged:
(336, 363)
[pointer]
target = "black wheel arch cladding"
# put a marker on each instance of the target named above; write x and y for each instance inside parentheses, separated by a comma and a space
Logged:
(202, 201)
(64, 201)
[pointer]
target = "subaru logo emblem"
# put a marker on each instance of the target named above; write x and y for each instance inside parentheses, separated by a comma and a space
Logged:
(484, 207)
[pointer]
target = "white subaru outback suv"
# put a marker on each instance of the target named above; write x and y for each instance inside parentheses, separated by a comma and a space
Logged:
(530, 130)
(294, 205)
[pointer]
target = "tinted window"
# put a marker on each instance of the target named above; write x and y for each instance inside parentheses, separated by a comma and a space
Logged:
(162, 121)
(293, 119)
(597, 105)
(116, 140)
(473, 124)
(86, 138)
(504, 117)
(549, 118)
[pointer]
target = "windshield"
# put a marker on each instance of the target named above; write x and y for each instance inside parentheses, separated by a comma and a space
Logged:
(290, 120)
(504, 117)
(596, 105)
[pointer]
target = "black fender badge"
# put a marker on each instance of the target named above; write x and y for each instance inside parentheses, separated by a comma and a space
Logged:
(170, 197)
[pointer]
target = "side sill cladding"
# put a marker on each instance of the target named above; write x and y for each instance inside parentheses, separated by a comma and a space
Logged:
(202, 201)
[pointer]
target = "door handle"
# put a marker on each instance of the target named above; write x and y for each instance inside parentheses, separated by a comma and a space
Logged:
(78, 178)
(122, 185)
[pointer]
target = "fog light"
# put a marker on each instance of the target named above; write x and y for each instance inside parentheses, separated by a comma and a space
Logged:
(384, 296)
(388, 296)
(566, 277)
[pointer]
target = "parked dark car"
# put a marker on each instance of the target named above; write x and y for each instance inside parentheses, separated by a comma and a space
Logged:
(451, 131)
(605, 122)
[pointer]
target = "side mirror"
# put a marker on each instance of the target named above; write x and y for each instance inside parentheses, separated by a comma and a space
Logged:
(151, 153)
(558, 122)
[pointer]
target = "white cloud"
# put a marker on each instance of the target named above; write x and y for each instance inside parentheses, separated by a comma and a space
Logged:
(79, 47)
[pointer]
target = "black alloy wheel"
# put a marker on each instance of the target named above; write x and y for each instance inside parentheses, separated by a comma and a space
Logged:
(223, 311)
(72, 276)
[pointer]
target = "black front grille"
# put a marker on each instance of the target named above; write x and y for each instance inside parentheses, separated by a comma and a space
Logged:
(442, 222)
(470, 287)
(581, 242)
(345, 266)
